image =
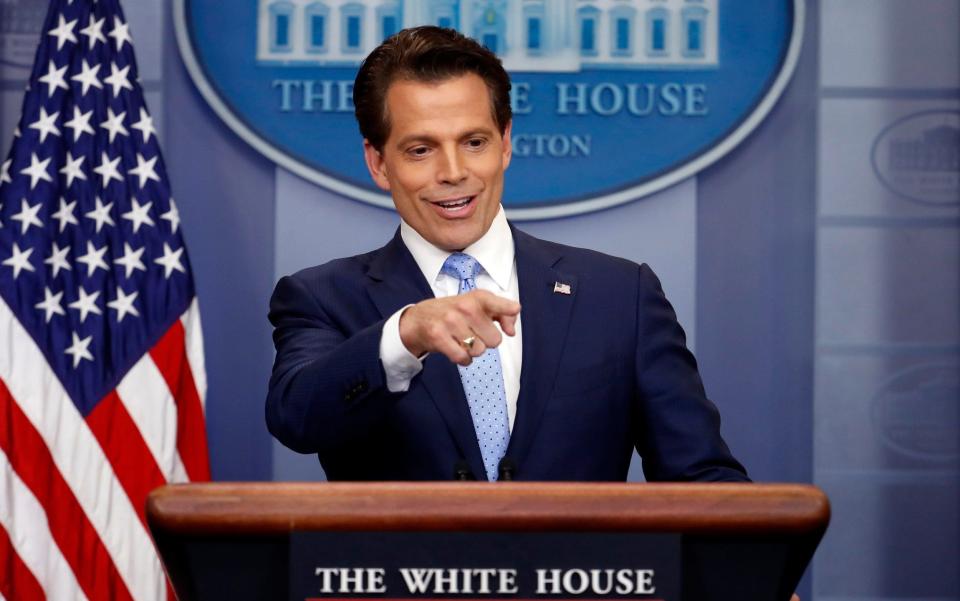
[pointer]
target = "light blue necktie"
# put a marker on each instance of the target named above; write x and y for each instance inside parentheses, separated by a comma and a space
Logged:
(482, 379)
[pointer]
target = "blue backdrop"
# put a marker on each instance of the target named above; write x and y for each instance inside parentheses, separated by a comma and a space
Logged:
(821, 296)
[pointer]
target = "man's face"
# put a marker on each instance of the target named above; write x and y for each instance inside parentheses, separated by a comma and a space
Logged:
(444, 159)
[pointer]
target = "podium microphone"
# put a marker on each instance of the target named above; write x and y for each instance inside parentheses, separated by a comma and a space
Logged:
(507, 470)
(461, 471)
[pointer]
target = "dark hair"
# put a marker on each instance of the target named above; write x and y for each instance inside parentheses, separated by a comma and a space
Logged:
(427, 54)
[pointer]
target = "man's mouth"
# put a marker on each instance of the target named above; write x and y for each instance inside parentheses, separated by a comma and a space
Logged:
(455, 205)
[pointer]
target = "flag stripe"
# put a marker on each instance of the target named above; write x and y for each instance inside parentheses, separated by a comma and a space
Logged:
(127, 452)
(170, 355)
(125, 447)
(75, 536)
(30, 537)
(194, 337)
(80, 461)
(151, 407)
(16, 581)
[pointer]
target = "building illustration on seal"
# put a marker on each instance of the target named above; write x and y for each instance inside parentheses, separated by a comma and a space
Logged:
(528, 35)
(936, 149)
(20, 22)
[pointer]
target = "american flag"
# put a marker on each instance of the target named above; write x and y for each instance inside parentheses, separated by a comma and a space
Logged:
(101, 362)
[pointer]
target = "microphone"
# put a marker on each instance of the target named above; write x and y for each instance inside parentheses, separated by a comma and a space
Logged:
(507, 470)
(461, 471)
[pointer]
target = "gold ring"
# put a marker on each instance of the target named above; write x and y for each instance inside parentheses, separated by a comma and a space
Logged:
(468, 342)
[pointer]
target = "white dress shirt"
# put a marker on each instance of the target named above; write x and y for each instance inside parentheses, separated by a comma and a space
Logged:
(494, 251)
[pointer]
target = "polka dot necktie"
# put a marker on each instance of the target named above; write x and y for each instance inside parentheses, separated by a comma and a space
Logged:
(482, 379)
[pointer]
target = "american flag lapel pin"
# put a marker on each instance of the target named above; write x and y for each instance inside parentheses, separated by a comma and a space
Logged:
(561, 288)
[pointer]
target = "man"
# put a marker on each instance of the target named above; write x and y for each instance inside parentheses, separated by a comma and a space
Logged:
(464, 347)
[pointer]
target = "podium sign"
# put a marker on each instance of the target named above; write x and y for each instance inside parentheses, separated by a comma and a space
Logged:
(484, 566)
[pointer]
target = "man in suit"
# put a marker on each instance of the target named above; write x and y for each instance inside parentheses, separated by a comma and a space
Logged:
(464, 347)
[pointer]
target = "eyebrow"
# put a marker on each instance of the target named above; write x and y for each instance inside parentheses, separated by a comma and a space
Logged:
(428, 138)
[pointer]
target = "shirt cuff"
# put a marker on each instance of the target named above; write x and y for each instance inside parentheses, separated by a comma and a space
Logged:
(399, 365)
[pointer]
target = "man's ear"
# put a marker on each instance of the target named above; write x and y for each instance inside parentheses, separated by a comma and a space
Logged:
(507, 146)
(376, 165)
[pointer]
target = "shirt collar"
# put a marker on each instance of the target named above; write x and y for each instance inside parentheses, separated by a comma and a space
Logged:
(494, 250)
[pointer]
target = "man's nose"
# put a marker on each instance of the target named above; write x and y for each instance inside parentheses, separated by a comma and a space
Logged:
(453, 169)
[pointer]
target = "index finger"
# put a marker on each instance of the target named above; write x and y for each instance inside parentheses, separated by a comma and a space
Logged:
(496, 306)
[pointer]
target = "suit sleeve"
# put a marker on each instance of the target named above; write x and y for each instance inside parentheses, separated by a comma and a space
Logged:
(679, 428)
(327, 388)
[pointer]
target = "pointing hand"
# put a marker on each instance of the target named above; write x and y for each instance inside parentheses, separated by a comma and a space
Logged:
(461, 327)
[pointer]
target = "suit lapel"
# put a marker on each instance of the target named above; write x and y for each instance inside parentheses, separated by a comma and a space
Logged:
(545, 321)
(397, 282)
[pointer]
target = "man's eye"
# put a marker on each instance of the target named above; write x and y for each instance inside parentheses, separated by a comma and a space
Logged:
(418, 151)
(476, 143)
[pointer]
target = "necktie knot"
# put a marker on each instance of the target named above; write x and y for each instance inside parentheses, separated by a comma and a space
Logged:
(461, 266)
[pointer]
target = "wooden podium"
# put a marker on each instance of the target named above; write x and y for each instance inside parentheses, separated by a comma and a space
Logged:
(733, 541)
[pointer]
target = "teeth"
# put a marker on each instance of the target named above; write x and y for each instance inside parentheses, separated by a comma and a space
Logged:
(455, 203)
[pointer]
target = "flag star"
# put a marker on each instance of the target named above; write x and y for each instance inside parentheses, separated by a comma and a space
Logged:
(63, 32)
(131, 259)
(101, 214)
(54, 78)
(80, 349)
(37, 170)
(28, 215)
(65, 214)
(107, 169)
(51, 304)
(86, 304)
(5, 172)
(94, 31)
(145, 125)
(80, 124)
(144, 169)
(120, 33)
(114, 124)
(124, 304)
(20, 260)
(118, 79)
(170, 260)
(71, 168)
(94, 259)
(88, 77)
(46, 124)
(58, 259)
(139, 215)
(173, 216)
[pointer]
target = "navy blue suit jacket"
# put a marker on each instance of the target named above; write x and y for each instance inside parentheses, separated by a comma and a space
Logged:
(605, 369)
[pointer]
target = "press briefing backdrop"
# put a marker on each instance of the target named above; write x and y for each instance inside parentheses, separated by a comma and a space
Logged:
(815, 267)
